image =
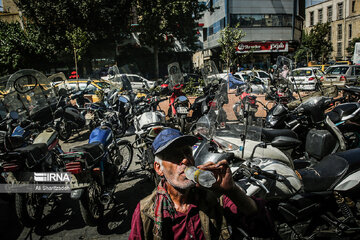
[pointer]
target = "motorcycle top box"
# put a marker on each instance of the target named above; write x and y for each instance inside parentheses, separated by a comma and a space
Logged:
(101, 134)
(149, 119)
(319, 143)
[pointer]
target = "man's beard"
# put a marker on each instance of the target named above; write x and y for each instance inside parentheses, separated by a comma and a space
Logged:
(180, 188)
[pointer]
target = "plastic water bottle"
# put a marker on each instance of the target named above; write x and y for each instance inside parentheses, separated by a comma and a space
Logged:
(202, 177)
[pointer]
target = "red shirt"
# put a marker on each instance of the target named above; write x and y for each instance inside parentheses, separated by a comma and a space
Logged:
(188, 226)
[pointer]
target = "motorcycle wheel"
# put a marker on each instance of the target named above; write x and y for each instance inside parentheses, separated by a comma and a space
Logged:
(63, 130)
(92, 210)
(182, 125)
(122, 156)
(149, 157)
(29, 208)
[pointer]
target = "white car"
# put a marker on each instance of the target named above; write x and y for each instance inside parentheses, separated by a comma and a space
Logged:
(306, 78)
(258, 85)
(264, 76)
(137, 82)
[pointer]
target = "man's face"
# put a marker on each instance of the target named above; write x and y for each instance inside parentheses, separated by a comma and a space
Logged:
(174, 163)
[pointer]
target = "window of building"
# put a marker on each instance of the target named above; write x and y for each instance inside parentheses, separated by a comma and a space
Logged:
(349, 43)
(320, 15)
(329, 13)
(339, 31)
(205, 32)
(216, 27)
(222, 23)
(261, 20)
(329, 36)
(340, 11)
(311, 18)
(298, 24)
(211, 30)
(350, 30)
(339, 48)
(353, 6)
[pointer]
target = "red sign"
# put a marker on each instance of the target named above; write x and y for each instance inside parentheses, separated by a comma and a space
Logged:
(262, 47)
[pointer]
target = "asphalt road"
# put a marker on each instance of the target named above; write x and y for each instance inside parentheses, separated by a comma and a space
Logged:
(63, 219)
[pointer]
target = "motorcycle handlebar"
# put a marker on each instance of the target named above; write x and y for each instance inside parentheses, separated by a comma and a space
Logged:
(267, 174)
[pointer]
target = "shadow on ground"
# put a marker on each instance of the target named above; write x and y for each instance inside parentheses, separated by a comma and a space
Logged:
(10, 228)
(64, 215)
(118, 219)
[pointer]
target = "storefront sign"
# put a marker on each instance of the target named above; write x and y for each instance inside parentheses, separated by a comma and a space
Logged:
(263, 47)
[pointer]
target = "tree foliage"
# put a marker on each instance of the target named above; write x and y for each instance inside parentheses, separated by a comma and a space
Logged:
(350, 48)
(315, 43)
(160, 22)
(229, 39)
(98, 19)
(22, 48)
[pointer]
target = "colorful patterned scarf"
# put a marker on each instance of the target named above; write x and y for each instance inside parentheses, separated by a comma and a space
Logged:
(163, 203)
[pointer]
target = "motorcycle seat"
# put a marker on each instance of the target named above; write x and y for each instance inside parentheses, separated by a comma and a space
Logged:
(32, 154)
(268, 134)
(352, 157)
(323, 176)
(36, 150)
(93, 152)
(342, 110)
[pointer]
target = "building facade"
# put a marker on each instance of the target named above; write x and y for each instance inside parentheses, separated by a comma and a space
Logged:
(9, 12)
(344, 18)
(271, 27)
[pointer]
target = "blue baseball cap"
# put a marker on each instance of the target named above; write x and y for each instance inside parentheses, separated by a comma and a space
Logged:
(171, 137)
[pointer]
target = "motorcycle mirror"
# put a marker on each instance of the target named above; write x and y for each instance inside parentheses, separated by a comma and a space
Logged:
(88, 82)
(14, 115)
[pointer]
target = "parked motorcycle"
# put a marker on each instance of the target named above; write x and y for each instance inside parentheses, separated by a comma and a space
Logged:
(313, 202)
(33, 97)
(97, 167)
(149, 122)
(178, 103)
(71, 117)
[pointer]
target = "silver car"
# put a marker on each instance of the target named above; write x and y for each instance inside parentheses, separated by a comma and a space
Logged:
(341, 74)
(306, 78)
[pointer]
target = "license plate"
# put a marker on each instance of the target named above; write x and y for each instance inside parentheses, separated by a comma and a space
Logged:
(182, 110)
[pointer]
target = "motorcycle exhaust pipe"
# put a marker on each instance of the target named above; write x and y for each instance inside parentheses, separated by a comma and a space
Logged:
(105, 198)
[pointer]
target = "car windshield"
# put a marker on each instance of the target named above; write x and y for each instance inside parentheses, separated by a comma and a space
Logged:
(263, 75)
(337, 70)
(103, 84)
(246, 77)
(301, 73)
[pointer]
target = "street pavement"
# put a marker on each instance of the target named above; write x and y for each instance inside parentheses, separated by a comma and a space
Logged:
(64, 221)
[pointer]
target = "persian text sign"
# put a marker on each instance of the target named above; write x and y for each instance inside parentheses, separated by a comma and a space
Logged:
(263, 47)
